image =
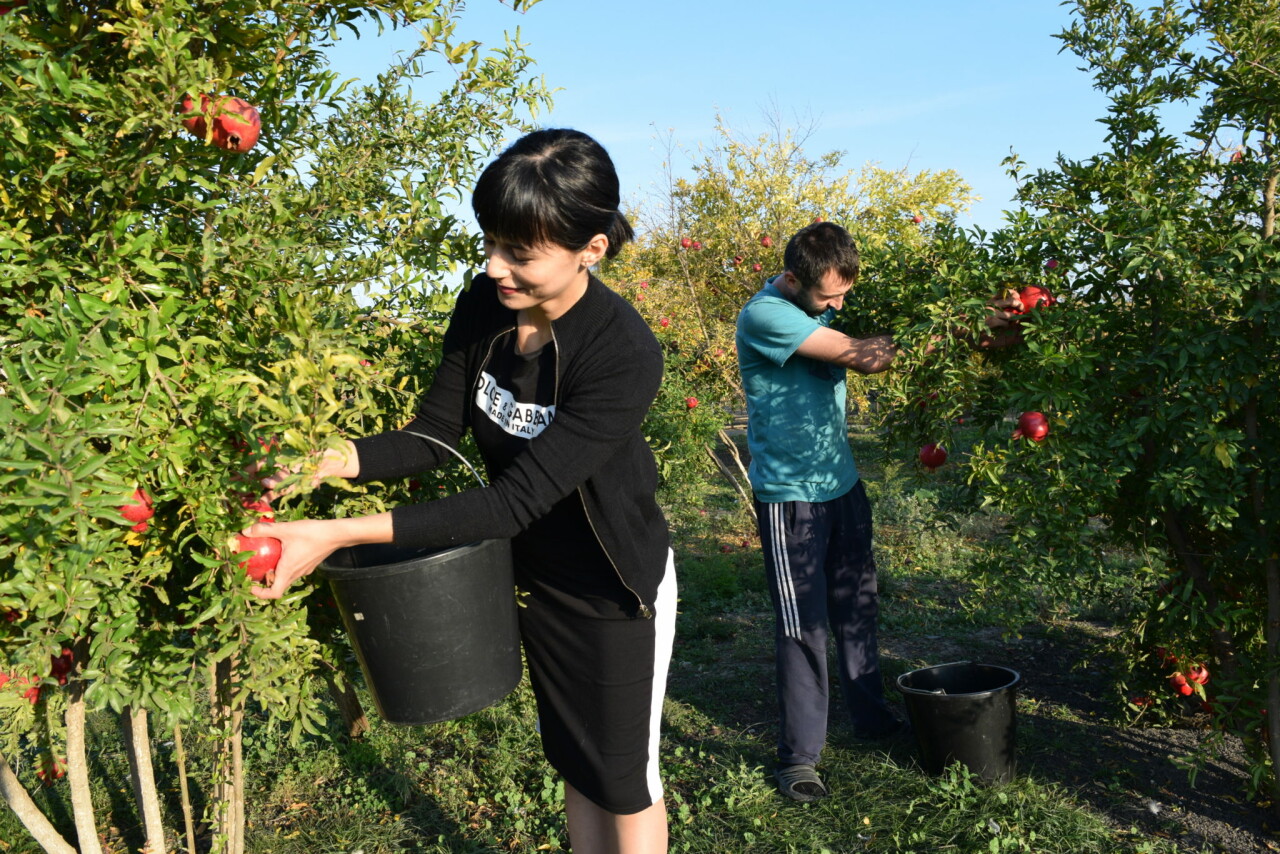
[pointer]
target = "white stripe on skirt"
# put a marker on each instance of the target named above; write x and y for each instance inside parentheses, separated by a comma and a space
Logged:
(664, 631)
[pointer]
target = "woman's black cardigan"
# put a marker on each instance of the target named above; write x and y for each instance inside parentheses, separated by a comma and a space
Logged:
(608, 370)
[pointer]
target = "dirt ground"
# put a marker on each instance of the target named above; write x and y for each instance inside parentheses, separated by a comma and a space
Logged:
(1134, 776)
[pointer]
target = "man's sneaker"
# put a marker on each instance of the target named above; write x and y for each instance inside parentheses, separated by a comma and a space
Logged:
(800, 783)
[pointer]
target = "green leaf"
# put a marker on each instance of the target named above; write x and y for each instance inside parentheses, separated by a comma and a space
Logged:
(59, 76)
(262, 169)
(80, 386)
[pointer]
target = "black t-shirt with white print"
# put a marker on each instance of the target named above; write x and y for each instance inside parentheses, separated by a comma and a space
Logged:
(559, 553)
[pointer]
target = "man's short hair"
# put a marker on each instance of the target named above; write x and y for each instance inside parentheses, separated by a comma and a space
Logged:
(818, 248)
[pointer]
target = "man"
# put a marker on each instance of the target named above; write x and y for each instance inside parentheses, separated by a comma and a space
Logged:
(814, 518)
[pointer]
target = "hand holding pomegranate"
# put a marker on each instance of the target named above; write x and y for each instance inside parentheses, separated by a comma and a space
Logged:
(1002, 323)
(1034, 296)
(1000, 320)
(1004, 311)
(306, 543)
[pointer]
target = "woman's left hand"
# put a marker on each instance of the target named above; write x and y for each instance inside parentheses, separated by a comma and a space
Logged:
(331, 462)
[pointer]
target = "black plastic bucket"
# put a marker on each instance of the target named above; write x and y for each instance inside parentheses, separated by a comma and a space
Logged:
(964, 712)
(435, 632)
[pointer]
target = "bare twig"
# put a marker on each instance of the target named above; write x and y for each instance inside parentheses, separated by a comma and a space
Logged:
(229, 720)
(728, 473)
(733, 451)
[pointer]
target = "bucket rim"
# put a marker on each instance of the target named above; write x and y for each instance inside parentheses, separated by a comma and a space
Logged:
(1015, 679)
(330, 572)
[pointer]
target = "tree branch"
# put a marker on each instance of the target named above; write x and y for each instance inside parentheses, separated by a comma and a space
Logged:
(41, 830)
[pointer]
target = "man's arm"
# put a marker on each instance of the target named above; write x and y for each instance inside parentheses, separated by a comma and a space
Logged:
(873, 355)
(864, 355)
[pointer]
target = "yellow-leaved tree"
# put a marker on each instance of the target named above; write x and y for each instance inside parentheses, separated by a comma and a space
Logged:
(711, 240)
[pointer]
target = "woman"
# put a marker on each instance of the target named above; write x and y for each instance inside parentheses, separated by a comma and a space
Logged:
(553, 374)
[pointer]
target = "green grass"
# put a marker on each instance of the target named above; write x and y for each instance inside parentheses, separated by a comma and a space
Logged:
(481, 784)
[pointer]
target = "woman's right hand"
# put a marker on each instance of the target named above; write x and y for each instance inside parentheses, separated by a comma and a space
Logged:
(305, 543)
(332, 462)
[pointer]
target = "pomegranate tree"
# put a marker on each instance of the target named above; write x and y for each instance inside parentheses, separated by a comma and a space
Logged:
(164, 301)
(1157, 360)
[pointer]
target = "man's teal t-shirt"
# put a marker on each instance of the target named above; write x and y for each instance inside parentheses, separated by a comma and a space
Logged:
(795, 406)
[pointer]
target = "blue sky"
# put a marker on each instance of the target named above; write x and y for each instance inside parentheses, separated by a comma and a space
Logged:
(932, 84)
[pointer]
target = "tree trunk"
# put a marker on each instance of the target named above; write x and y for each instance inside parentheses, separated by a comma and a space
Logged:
(1273, 678)
(188, 819)
(78, 773)
(1272, 562)
(237, 779)
(228, 720)
(137, 739)
(220, 715)
(348, 702)
(44, 833)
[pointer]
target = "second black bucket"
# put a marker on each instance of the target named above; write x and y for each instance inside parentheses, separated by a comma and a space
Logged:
(964, 712)
(435, 632)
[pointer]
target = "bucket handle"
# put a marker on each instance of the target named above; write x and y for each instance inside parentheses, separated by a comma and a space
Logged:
(453, 451)
(940, 691)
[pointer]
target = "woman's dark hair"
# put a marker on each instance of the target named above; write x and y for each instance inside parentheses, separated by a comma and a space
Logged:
(552, 186)
(818, 248)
